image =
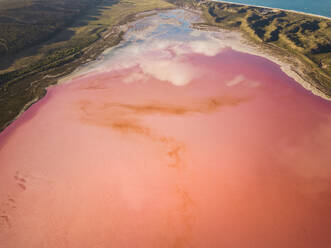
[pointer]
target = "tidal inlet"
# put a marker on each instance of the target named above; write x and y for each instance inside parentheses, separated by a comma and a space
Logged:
(176, 137)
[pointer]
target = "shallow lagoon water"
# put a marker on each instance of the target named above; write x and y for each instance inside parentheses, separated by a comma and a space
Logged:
(169, 142)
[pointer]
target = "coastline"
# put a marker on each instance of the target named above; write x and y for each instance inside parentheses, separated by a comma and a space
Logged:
(290, 65)
(273, 8)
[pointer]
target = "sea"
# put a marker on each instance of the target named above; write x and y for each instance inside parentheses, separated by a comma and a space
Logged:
(317, 7)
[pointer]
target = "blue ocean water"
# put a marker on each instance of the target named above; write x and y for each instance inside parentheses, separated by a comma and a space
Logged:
(317, 7)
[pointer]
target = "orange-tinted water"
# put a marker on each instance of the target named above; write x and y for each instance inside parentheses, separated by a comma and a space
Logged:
(238, 157)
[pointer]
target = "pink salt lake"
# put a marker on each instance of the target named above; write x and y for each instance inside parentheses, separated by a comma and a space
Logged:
(238, 157)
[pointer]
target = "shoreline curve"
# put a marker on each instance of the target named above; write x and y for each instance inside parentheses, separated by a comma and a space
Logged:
(273, 8)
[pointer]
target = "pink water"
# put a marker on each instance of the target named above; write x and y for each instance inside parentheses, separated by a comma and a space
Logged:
(239, 157)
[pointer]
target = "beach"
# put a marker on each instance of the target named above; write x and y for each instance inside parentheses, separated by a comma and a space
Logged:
(307, 12)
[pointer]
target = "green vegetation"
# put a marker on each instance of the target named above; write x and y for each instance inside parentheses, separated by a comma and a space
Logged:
(184, 3)
(25, 23)
(306, 37)
(41, 40)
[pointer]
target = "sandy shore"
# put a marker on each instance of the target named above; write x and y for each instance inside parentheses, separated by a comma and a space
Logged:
(265, 7)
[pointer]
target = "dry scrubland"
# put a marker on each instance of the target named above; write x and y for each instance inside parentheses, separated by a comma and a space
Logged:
(45, 39)
(42, 40)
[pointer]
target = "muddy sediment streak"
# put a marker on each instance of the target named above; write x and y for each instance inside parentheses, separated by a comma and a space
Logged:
(169, 140)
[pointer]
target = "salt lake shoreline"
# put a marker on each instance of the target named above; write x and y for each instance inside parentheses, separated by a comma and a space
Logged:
(290, 65)
(246, 47)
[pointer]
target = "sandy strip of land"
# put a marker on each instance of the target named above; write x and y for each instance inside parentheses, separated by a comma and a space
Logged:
(276, 9)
